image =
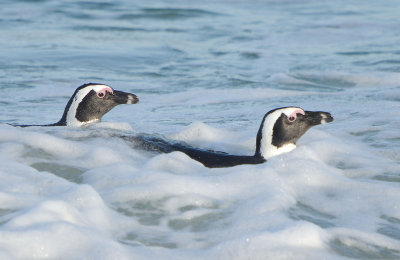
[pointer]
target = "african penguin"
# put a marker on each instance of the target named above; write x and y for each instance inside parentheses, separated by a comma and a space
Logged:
(89, 103)
(278, 133)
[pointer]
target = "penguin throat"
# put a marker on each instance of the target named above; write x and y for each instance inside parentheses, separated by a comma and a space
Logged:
(269, 150)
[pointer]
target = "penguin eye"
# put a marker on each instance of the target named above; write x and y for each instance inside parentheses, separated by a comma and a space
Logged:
(101, 94)
(292, 118)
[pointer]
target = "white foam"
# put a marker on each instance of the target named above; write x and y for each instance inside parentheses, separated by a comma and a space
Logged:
(112, 125)
(279, 209)
(199, 134)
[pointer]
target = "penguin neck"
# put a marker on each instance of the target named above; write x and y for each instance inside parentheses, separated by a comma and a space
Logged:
(69, 117)
(63, 120)
(264, 146)
(268, 150)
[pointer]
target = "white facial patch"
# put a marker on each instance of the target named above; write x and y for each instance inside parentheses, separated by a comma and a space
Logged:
(324, 118)
(131, 99)
(267, 149)
(82, 93)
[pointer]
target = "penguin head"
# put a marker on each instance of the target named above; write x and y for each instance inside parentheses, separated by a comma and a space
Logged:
(282, 127)
(91, 101)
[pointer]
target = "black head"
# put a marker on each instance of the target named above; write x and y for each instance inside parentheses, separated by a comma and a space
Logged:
(282, 127)
(90, 102)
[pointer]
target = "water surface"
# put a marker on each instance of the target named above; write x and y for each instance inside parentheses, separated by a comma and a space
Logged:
(205, 73)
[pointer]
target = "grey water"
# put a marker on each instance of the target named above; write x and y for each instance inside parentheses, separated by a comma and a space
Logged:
(200, 67)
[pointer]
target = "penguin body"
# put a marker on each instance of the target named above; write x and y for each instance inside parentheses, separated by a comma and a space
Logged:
(278, 133)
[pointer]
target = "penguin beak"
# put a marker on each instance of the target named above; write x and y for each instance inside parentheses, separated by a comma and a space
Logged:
(318, 117)
(123, 97)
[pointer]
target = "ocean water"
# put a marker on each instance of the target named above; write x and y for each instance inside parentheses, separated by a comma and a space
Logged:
(205, 72)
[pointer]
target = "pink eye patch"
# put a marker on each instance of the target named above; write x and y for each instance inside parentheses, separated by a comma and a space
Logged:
(101, 93)
(293, 116)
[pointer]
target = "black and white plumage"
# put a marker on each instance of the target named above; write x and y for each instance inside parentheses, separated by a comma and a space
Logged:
(278, 133)
(89, 103)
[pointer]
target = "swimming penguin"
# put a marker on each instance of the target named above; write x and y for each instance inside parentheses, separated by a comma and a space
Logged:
(89, 103)
(278, 133)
